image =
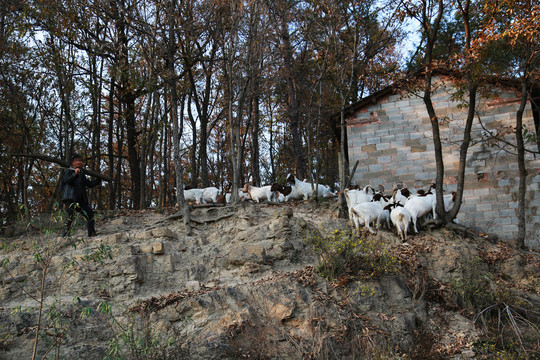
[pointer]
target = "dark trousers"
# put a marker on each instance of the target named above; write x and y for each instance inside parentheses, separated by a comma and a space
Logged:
(85, 210)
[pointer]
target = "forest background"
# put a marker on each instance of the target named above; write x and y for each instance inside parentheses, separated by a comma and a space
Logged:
(160, 94)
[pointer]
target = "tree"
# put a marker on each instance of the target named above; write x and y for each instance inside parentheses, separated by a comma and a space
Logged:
(282, 13)
(355, 38)
(517, 23)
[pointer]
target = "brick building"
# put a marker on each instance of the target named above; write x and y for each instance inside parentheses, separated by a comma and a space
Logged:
(389, 133)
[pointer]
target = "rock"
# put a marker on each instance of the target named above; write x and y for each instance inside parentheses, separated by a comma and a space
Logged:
(240, 254)
(253, 233)
(513, 267)
(287, 212)
(12, 279)
(118, 222)
(164, 264)
(279, 224)
(145, 235)
(146, 248)
(250, 268)
(468, 354)
(246, 296)
(282, 311)
(116, 271)
(193, 285)
(164, 233)
(115, 238)
(157, 248)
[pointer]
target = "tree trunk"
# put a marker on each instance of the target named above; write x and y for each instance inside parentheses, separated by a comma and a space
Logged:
(127, 97)
(463, 150)
(118, 180)
(343, 213)
(255, 152)
(110, 147)
(520, 239)
(292, 100)
(193, 155)
(172, 81)
(431, 31)
(132, 146)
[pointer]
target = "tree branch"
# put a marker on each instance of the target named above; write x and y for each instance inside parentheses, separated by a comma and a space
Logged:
(63, 164)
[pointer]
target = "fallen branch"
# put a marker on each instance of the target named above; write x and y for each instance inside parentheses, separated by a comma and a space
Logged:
(180, 215)
(199, 206)
(211, 220)
(64, 164)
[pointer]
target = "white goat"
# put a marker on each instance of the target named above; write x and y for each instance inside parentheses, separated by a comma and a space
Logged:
(401, 218)
(355, 197)
(419, 206)
(384, 217)
(323, 190)
(401, 196)
(242, 195)
(367, 213)
(304, 188)
(211, 194)
(194, 195)
(300, 186)
(258, 193)
(449, 200)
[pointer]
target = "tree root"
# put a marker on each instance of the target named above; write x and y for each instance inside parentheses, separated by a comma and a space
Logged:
(456, 228)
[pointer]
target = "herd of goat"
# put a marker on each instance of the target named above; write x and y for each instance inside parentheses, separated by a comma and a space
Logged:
(366, 205)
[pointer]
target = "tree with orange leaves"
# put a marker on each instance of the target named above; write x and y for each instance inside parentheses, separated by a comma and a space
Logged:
(517, 23)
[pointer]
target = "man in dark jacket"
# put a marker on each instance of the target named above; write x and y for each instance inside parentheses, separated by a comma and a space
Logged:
(74, 184)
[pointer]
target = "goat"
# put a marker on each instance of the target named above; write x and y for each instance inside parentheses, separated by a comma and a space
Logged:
(401, 196)
(421, 205)
(401, 218)
(305, 189)
(210, 194)
(449, 200)
(367, 213)
(279, 193)
(194, 195)
(258, 193)
(355, 197)
(242, 195)
(301, 187)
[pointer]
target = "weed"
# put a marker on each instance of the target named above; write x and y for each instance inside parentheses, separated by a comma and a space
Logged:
(471, 290)
(344, 252)
(43, 277)
(135, 338)
(512, 320)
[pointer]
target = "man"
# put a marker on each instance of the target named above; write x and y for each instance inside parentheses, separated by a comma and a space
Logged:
(74, 184)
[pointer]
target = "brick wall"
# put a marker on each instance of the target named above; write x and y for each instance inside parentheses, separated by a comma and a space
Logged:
(393, 142)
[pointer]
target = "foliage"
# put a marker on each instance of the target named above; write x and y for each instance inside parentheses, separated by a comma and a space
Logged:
(91, 77)
(345, 253)
(136, 338)
(511, 319)
(504, 314)
(54, 319)
(470, 287)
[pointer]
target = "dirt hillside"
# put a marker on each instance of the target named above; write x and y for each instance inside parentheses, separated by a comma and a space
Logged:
(264, 282)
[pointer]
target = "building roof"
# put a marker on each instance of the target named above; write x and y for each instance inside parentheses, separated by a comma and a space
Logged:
(406, 81)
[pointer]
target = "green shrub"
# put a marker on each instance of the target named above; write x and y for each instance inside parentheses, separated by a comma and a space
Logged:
(471, 290)
(345, 253)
